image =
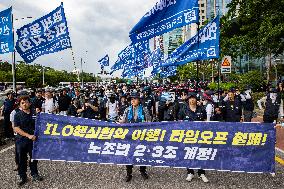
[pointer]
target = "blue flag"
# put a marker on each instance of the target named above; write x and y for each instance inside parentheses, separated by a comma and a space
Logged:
(202, 46)
(165, 16)
(134, 55)
(118, 65)
(6, 31)
(104, 61)
(46, 35)
(156, 58)
(168, 71)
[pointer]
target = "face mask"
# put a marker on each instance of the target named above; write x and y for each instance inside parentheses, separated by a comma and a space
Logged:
(273, 95)
(248, 91)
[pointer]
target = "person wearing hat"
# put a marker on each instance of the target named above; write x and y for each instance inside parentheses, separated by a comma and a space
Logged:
(273, 106)
(192, 112)
(248, 105)
(90, 109)
(232, 107)
(135, 113)
(6, 110)
(169, 109)
(209, 105)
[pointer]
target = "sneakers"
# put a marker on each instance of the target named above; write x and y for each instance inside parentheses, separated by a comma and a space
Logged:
(37, 178)
(203, 178)
(128, 178)
(189, 177)
(144, 175)
(22, 181)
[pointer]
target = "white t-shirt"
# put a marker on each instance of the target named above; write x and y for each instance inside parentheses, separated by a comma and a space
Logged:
(209, 111)
(112, 109)
(49, 105)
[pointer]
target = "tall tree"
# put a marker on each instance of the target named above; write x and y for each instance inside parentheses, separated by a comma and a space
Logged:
(254, 27)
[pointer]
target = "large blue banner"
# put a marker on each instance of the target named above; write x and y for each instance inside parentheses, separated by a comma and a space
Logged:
(6, 31)
(165, 16)
(247, 147)
(46, 35)
(203, 46)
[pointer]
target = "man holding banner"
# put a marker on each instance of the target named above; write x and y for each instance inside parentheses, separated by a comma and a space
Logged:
(136, 113)
(24, 127)
(193, 112)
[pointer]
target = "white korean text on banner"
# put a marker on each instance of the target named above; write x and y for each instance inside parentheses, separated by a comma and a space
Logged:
(203, 46)
(241, 147)
(165, 16)
(6, 31)
(46, 35)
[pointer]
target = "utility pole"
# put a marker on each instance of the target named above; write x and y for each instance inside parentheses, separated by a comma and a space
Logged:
(82, 73)
(43, 79)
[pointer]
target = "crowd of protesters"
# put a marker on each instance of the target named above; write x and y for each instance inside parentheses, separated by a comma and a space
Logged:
(123, 103)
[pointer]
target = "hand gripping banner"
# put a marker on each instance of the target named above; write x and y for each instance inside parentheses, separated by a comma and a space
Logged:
(239, 147)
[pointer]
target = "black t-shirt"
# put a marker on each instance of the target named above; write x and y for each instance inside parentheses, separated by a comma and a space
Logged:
(8, 106)
(25, 122)
(64, 102)
(37, 103)
(187, 114)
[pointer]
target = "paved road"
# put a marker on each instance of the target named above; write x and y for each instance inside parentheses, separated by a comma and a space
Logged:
(61, 175)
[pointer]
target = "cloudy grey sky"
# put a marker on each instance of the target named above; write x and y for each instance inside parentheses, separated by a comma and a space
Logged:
(99, 27)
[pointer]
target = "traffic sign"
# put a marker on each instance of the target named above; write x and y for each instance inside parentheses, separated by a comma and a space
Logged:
(226, 66)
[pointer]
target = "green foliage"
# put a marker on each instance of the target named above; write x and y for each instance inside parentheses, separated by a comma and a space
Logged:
(224, 86)
(253, 27)
(32, 75)
(257, 95)
(253, 78)
(5, 66)
(189, 71)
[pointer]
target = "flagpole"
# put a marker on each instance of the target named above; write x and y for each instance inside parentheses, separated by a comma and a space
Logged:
(197, 62)
(14, 59)
(219, 71)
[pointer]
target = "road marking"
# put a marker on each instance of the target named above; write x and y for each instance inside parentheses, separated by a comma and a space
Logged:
(279, 160)
(6, 149)
(279, 150)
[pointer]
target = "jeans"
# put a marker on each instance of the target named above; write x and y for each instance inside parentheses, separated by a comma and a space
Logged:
(24, 147)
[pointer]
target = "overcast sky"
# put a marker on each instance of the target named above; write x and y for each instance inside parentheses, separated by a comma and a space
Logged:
(99, 27)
